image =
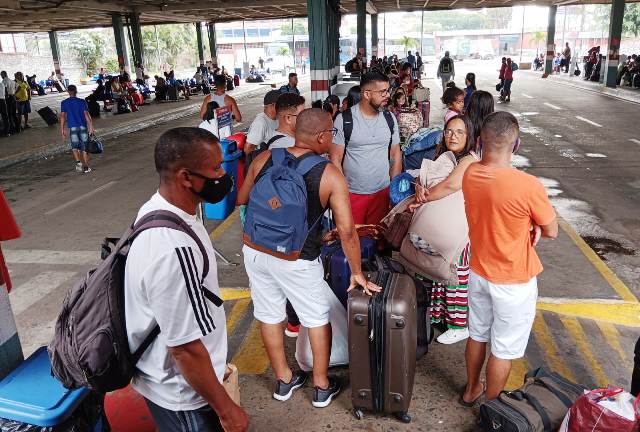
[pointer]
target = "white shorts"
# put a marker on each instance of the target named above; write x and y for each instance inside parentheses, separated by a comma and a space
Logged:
(273, 280)
(502, 314)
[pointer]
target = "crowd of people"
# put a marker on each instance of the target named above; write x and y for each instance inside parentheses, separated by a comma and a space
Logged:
(629, 72)
(15, 103)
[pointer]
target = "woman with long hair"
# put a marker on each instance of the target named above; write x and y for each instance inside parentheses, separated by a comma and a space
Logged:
(470, 82)
(481, 104)
(449, 304)
(352, 98)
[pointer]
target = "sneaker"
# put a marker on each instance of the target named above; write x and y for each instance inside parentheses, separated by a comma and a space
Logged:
(452, 336)
(79, 166)
(87, 170)
(323, 397)
(292, 331)
(285, 390)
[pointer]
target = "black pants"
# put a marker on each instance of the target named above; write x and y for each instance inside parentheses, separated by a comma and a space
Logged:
(6, 127)
(635, 379)
(12, 110)
(292, 316)
(202, 419)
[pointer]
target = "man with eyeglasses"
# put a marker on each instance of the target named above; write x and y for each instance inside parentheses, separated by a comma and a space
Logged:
(274, 280)
(367, 150)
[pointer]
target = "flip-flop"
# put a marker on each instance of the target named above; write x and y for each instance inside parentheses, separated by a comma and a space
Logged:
(466, 404)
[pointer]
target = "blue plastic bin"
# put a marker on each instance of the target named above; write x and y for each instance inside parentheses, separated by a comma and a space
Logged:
(30, 394)
(230, 157)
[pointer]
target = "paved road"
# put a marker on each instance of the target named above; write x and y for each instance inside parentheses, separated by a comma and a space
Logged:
(588, 314)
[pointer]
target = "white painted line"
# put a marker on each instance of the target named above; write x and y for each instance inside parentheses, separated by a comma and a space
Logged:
(527, 96)
(36, 288)
(634, 140)
(34, 256)
(80, 198)
(596, 155)
(588, 121)
(552, 106)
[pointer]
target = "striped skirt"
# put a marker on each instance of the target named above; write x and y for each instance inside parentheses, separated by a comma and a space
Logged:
(449, 302)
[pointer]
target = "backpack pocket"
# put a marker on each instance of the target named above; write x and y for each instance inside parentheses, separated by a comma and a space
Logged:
(279, 236)
(97, 353)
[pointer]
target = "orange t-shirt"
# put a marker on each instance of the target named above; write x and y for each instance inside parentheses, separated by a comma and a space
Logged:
(501, 205)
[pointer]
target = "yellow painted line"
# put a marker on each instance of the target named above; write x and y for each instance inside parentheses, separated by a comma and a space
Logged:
(220, 229)
(252, 357)
(516, 376)
(627, 314)
(612, 337)
(237, 312)
(543, 338)
(577, 335)
(234, 293)
(623, 291)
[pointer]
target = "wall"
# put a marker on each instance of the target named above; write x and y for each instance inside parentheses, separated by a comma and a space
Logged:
(41, 65)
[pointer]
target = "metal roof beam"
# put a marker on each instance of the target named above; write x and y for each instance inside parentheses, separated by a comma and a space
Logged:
(212, 5)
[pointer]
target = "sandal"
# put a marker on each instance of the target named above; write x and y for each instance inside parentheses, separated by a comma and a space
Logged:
(466, 404)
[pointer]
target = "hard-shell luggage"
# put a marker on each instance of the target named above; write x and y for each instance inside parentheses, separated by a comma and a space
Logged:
(48, 115)
(236, 80)
(337, 272)
(539, 405)
(230, 85)
(172, 93)
(382, 346)
(425, 108)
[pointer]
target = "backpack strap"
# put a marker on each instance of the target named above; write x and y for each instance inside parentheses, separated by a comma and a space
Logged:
(389, 118)
(272, 140)
(347, 126)
(307, 164)
(278, 156)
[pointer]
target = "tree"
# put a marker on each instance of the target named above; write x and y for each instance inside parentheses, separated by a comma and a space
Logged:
(298, 29)
(538, 37)
(631, 22)
(408, 43)
(284, 53)
(88, 48)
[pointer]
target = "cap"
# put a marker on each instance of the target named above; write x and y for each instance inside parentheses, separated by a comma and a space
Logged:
(271, 97)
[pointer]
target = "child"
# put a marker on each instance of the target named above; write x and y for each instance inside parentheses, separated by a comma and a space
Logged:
(453, 98)
(399, 101)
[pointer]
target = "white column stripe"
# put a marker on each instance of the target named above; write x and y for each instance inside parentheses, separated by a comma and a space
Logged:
(36, 288)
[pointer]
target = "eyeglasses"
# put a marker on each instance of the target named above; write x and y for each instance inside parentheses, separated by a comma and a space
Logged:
(381, 92)
(333, 131)
(458, 132)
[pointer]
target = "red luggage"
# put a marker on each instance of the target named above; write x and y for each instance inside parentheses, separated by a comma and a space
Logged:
(236, 80)
(137, 98)
(382, 345)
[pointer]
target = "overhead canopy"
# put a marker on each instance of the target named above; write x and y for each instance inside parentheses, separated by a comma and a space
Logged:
(44, 15)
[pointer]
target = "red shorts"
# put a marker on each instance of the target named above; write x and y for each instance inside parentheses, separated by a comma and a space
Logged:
(369, 209)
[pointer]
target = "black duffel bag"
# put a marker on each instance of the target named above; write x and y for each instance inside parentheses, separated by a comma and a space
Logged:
(539, 405)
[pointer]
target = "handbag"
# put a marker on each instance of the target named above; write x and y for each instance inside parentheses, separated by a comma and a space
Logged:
(397, 230)
(95, 145)
(499, 86)
(600, 410)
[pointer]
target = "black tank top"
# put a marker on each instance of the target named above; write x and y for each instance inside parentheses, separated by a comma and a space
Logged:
(315, 210)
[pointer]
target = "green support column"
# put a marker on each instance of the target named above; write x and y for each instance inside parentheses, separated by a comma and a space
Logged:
(213, 45)
(615, 34)
(55, 52)
(319, 22)
(136, 36)
(200, 43)
(121, 44)
(551, 47)
(361, 11)
(374, 34)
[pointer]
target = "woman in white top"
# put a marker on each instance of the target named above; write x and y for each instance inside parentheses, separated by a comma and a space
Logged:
(449, 302)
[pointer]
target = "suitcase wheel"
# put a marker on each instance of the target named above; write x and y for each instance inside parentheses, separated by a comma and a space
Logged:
(403, 417)
(358, 413)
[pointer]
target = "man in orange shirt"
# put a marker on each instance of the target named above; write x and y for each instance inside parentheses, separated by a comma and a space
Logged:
(508, 211)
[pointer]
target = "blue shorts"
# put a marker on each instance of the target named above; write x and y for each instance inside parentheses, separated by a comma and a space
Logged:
(507, 85)
(202, 419)
(23, 107)
(78, 137)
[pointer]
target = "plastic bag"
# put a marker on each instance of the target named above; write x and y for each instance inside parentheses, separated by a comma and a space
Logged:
(603, 410)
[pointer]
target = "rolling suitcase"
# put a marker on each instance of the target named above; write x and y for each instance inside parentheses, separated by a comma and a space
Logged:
(382, 346)
(172, 93)
(425, 108)
(336, 267)
(48, 115)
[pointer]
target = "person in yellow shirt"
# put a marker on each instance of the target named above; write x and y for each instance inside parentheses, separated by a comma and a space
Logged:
(23, 100)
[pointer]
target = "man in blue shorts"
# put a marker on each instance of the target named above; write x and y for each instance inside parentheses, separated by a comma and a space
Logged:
(74, 114)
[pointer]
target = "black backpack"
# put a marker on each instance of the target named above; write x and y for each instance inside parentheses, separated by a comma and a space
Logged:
(260, 149)
(446, 65)
(347, 128)
(90, 346)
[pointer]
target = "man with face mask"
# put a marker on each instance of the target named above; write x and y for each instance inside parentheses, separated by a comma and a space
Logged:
(181, 372)
(274, 280)
(371, 154)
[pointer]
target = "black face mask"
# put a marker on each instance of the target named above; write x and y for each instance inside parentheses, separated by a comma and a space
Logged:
(214, 189)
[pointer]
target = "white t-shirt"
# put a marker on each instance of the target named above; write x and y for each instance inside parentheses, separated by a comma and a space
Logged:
(262, 129)
(162, 277)
(285, 142)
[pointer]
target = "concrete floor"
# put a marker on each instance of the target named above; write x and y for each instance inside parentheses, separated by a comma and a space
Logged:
(583, 145)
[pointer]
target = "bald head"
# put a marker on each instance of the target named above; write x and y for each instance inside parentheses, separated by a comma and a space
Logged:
(184, 147)
(499, 132)
(311, 121)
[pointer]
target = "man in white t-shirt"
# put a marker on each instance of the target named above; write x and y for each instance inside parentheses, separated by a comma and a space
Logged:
(181, 372)
(288, 107)
(264, 125)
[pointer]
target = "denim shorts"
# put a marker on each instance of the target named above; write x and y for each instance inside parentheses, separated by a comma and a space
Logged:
(78, 137)
(23, 107)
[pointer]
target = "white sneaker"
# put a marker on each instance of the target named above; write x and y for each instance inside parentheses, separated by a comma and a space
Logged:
(79, 166)
(452, 336)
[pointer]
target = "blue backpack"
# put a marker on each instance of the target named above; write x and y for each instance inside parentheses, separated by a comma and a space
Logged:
(276, 221)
